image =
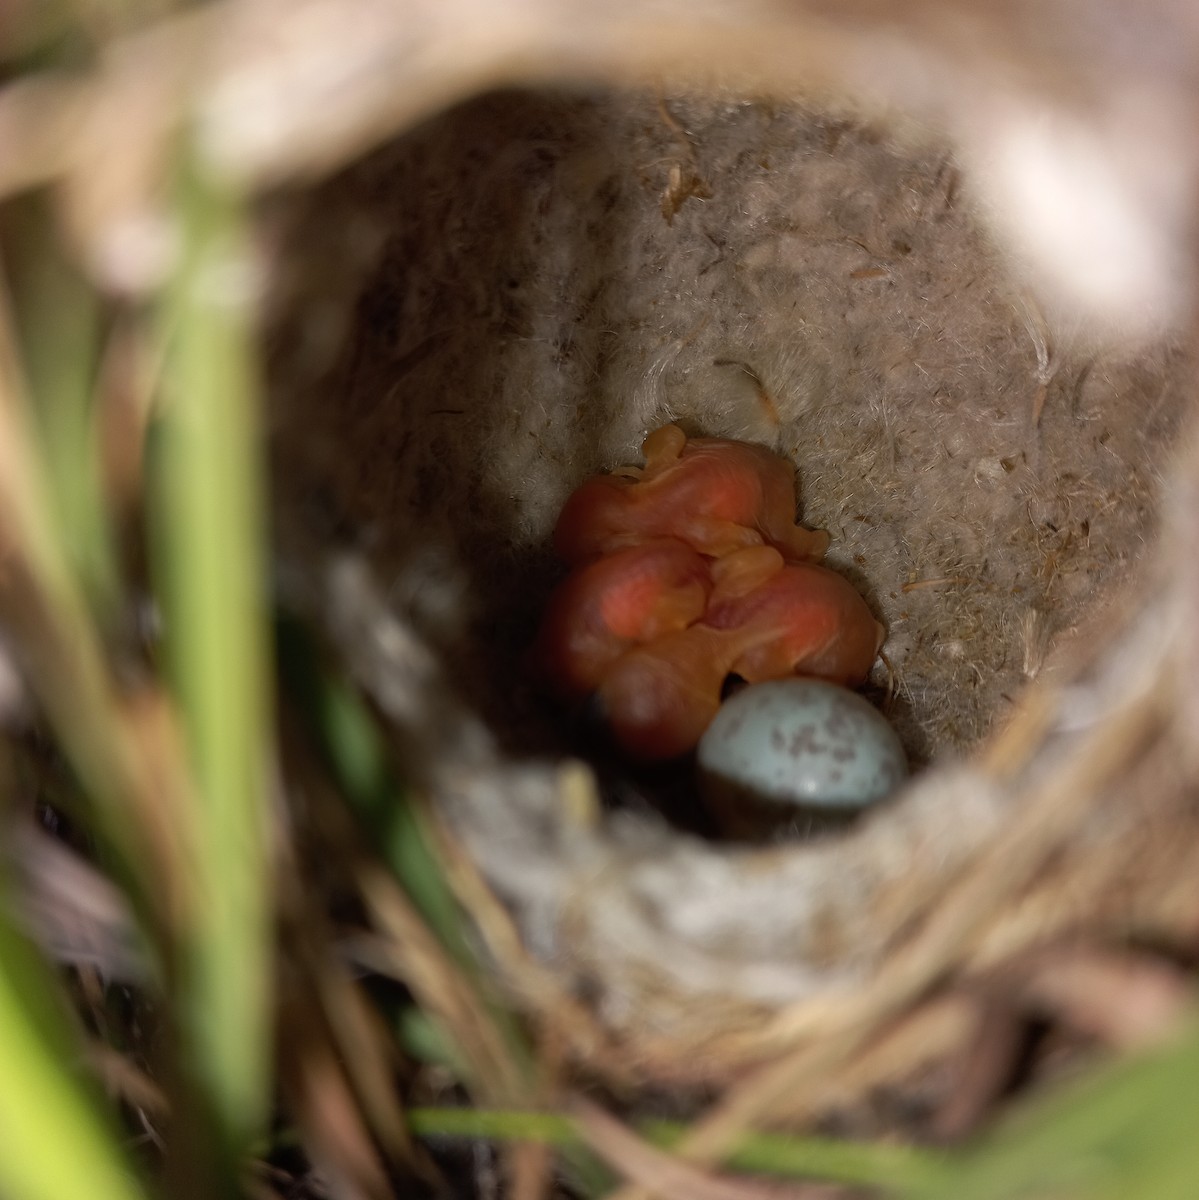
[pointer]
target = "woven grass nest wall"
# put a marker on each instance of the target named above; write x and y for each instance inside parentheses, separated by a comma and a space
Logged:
(503, 300)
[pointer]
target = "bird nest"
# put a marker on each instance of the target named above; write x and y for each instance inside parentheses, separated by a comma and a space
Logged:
(517, 282)
(540, 278)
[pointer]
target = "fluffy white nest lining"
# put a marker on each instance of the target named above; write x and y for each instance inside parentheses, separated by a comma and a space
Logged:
(540, 278)
(539, 305)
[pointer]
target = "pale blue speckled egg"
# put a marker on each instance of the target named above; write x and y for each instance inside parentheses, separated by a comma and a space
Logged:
(802, 744)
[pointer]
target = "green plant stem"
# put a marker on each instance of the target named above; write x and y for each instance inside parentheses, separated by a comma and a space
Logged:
(898, 1168)
(210, 556)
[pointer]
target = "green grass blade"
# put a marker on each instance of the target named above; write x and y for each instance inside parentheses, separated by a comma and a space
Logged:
(347, 739)
(56, 1139)
(210, 558)
(59, 324)
(1125, 1130)
(424, 1040)
(896, 1168)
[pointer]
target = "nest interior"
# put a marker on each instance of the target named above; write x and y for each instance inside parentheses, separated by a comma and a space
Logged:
(504, 300)
(551, 276)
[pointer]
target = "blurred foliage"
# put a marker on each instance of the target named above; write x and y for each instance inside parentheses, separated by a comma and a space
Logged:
(209, 554)
(57, 1136)
(1124, 1130)
(351, 747)
(58, 326)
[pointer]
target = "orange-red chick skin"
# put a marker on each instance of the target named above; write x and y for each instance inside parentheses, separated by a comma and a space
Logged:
(804, 620)
(604, 608)
(693, 569)
(716, 495)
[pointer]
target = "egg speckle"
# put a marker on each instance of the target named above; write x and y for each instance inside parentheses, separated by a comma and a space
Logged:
(801, 745)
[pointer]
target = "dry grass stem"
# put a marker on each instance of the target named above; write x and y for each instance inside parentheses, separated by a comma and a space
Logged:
(413, 955)
(657, 1173)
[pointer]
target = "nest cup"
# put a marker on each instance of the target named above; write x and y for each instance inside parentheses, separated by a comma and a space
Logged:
(502, 301)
